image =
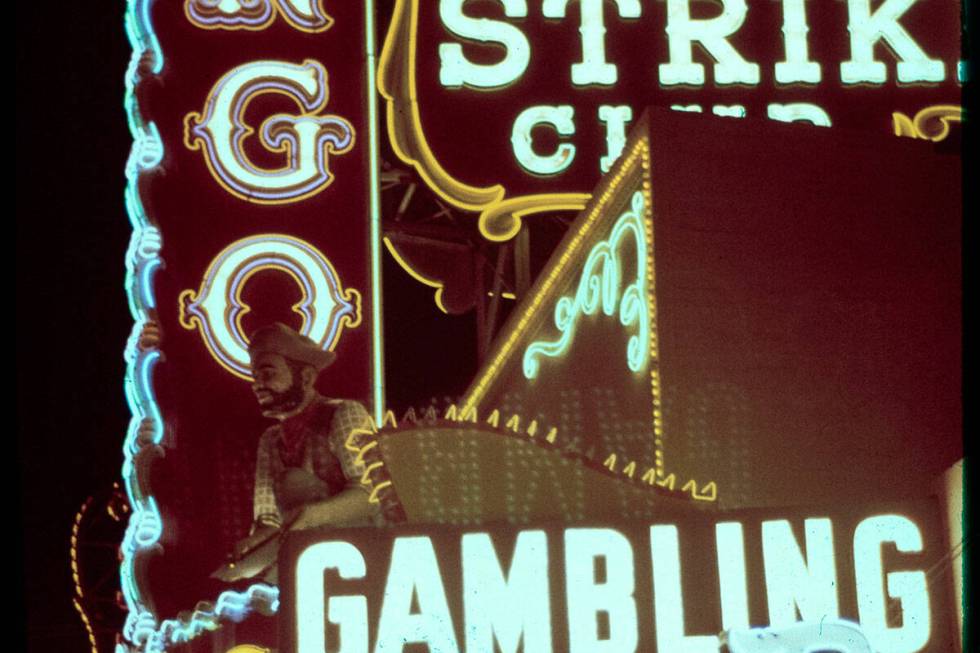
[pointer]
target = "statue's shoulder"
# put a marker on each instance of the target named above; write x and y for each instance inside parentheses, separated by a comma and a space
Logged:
(269, 435)
(348, 413)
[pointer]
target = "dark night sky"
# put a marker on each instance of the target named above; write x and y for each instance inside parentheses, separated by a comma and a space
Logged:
(72, 319)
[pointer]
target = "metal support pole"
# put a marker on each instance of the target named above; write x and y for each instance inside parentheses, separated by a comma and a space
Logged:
(522, 261)
(495, 295)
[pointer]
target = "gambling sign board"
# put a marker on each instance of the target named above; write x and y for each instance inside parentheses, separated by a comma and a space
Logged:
(843, 578)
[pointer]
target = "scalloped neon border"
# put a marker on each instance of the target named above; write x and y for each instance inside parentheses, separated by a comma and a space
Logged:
(142, 630)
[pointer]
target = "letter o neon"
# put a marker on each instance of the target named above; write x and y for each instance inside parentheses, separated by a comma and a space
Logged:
(216, 308)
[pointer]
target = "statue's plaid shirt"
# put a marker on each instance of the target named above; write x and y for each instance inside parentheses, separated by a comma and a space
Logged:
(348, 416)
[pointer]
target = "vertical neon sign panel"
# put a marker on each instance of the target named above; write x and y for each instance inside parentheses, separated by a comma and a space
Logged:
(252, 195)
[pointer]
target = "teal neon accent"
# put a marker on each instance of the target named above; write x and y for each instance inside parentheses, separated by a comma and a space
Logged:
(377, 321)
(145, 525)
(231, 605)
(147, 283)
(598, 287)
(142, 38)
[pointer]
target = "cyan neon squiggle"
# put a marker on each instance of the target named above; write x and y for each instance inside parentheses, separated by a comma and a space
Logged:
(141, 630)
(599, 287)
(142, 259)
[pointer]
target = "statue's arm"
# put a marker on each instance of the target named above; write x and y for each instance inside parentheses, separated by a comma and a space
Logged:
(265, 512)
(349, 429)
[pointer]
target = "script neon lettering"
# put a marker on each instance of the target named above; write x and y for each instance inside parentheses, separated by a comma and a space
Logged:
(599, 287)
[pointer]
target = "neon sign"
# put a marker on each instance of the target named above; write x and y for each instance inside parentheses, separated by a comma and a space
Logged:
(306, 141)
(585, 73)
(600, 286)
(217, 307)
(659, 588)
(304, 15)
(234, 153)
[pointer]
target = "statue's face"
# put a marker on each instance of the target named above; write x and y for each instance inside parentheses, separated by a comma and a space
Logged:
(277, 388)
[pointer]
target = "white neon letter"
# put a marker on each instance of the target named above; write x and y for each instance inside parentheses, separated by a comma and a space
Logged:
(615, 119)
(562, 119)
(348, 612)
(593, 69)
(729, 110)
(506, 607)
(712, 34)
(587, 598)
(668, 601)
(456, 70)
(305, 140)
(414, 570)
(792, 580)
(799, 112)
(326, 307)
(731, 575)
(797, 67)
(868, 28)
(908, 587)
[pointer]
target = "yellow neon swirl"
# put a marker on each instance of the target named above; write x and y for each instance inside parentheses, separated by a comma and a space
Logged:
(499, 219)
(418, 276)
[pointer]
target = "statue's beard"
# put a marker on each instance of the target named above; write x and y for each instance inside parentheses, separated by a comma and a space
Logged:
(283, 403)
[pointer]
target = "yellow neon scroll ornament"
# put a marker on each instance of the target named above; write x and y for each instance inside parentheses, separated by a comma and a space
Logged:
(599, 286)
(304, 15)
(217, 307)
(500, 218)
(931, 123)
(305, 140)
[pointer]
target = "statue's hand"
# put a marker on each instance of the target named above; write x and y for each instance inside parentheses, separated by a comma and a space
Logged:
(146, 432)
(150, 336)
(349, 508)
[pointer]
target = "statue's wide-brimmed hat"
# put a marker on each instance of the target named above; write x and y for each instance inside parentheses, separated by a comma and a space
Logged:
(277, 338)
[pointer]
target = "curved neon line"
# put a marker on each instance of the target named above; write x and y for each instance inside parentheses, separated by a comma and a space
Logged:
(397, 85)
(415, 274)
(141, 630)
(147, 283)
(599, 288)
(256, 15)
(217, 307)
(142, 258)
